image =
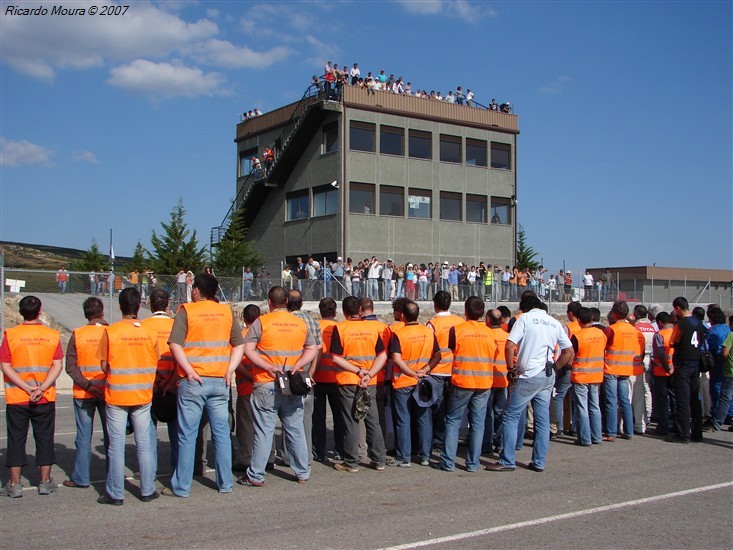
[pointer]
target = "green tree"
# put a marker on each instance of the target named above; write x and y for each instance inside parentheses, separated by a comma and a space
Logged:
(525, 253)
(139, 261)
(234, 250)
(177, 246)
(93, 259)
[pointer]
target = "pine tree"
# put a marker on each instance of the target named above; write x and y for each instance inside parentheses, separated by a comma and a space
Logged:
(93, 259)
(525, 253)
(234, 250)
(173, 249)
(139, 262)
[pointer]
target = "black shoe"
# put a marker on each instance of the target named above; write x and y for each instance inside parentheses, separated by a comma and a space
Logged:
(106, 499)
(270, 466)
(535, 468)
(497, 467)
(152, 496)
(676, 439)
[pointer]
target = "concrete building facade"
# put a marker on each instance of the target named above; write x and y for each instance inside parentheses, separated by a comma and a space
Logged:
(380, 174)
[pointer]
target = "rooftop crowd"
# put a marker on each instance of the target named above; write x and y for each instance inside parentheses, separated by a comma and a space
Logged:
(508, 375)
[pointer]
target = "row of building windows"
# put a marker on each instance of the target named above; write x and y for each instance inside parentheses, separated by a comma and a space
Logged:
(323, 201)
(419, 145)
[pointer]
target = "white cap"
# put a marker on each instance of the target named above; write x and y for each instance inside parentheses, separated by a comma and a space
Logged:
(339, 259)
(445, 262)
(460, 264)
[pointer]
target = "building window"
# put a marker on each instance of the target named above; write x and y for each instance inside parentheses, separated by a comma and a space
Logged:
(421, 144)
(391, 140)
(450, 148)
(450, 206)
(361, 136)
(298, 205)
(501, 156)
(476, 208)
(418, 203)
(330, 138)
(391, 200)
(501, 210)
(475, 152)
(245, 161)
(325, 201)
(361, 198)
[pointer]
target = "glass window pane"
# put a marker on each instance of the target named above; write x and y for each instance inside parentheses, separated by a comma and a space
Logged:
(420, 145)
(475, 208)
(418, 203)
(330, 138)
(450, 206)
(501, 212)
(361, 198)
(361, 137)
(501, 156)
(450, 149)
(298, 206)
(475, 152)
(391, 201)
(325, 201)
(391, 140)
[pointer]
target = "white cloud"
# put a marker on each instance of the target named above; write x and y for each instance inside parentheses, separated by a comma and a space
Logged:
(469, 11)
(20, 153)
(556, 86)
(84, 156)
(223, 53)
(165, 80)
(212, 13)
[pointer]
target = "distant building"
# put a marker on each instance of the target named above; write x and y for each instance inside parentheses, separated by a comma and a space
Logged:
(413, 180)
(650, 284)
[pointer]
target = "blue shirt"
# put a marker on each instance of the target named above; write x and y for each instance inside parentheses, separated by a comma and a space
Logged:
(453, 277)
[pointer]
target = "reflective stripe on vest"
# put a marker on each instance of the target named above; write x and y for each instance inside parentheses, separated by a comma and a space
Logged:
(416, 345)
(32, 348)
(625, 351)
(207, 338)
(281, 343)
(499, 362)
(588, 363)
(359, 342)
(658, 369)
(162, 325)
(441, 325)
(326, 371)
(132, 359)
(473, 361)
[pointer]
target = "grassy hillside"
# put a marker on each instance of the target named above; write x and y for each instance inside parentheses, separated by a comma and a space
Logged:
(39, 256)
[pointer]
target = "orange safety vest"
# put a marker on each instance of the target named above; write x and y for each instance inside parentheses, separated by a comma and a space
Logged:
(132, 358)
(626, 350)
(87, 344)
(416, 344)
(389, 366)
(244, 385)
(473, 356)
(441, 325)
(666, 334)
(588, 362)
(573, 328)
(281, 343)
(207, 338)
(359, 341)
(499, 362)
(326, 371)
(386, 333)
(32, 348)
(162, 326)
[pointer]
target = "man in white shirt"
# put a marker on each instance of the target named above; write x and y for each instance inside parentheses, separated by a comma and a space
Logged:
(536, 334)
(373, 275)
(354, 73)
(469, 98)
(587, 286)
(450, 98)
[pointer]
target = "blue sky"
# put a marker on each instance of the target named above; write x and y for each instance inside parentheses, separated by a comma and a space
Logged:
(625, 112)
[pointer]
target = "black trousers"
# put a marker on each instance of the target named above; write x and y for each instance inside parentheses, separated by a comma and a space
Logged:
(327, 392)
(688, 414)
(43, 420)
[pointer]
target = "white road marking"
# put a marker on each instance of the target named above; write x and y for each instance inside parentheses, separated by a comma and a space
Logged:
(559, 517)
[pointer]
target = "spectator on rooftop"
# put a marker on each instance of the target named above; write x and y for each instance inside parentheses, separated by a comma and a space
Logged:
(459, 95)
(469, 98)
(355, 73)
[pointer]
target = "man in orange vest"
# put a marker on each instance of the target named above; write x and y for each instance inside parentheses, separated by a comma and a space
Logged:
(625, 351)
(326, 389)
(662, 352)
(206, 341)
(383, 381)
(474, 347)
(276, 343)
(415, 352)
(589, 343)
(357, 350)
(441, 324)
(499, 385)
(31, 361)
(128, 353)
(83, 367)
(161, 323)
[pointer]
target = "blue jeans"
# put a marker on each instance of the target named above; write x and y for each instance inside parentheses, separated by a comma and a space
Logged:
(724, 401)
(404, 409)
(438, 410)
(267, 405)
(247, 290)
(147, 452)
(505, 295)
(562, 386)
(458, 400)
(587, 413)
(494, 418)
(373, 289)
(663, 399)
(538, 391)
(618, 391)
(84, 410)
(213, 395)
(356, 288)
(423, 293)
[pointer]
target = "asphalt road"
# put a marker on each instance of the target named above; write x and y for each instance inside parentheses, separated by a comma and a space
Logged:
(586, 498)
